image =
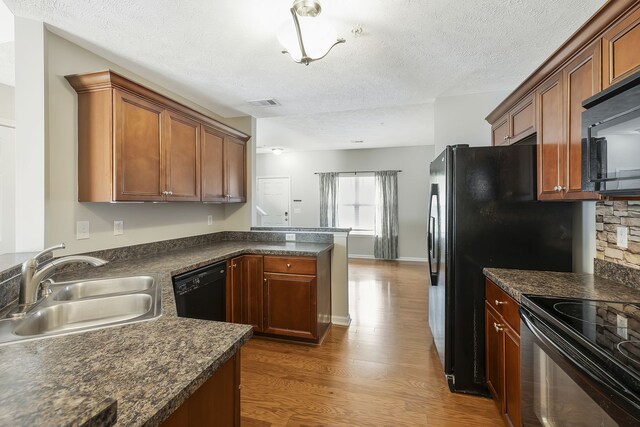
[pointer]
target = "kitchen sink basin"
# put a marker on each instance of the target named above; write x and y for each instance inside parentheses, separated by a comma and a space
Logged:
(84, 305)
(84, 314)
(97, 287)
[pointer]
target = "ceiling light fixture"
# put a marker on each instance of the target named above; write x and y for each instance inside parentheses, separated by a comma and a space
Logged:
(320, 37)
(277, 151)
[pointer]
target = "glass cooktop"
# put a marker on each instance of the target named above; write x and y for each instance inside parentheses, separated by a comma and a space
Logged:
(611, 327)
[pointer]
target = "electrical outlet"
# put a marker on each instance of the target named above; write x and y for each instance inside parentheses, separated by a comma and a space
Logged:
(210, 220)
(82, 230)
(290, 237)
(622, 236)
(118, 228)
(621, 323)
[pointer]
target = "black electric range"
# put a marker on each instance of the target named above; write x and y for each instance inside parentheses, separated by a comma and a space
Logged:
(596, 343)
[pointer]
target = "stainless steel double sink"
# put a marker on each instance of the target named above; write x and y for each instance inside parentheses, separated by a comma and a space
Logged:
(84, 305)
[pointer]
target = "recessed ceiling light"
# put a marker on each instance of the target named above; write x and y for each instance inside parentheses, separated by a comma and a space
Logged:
(277, 151)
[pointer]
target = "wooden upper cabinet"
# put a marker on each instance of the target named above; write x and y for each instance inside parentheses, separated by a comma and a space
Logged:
(135, 144)
(138, 149)
(213, 175)
(235, 168)
(550, 139)
(182, 158)
(621, 49)
(516, 125)
(522, 119)
(500, 131)
(582, 80)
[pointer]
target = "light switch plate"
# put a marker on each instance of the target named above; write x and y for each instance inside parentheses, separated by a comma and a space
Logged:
(210, 220)
(118, 228)
(82, 230)
(621, 323)
(290, 237)
(622, 237)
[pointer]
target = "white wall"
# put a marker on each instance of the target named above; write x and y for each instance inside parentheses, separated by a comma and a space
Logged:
(413, 187)
(142, 222)
(31, 116)
(7, 103)
(461, 119)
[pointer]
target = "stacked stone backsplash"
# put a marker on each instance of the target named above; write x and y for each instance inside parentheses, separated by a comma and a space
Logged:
(610, 216)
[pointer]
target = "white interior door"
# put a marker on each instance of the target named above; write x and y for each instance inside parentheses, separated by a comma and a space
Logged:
(7, 190)
(273, 202)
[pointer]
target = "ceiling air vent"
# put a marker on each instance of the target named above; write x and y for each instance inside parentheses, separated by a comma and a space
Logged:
(269, 102)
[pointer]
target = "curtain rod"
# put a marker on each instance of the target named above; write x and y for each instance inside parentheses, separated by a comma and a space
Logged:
(357, 172)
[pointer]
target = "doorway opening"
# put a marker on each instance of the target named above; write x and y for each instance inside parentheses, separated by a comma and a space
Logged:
(274, 202)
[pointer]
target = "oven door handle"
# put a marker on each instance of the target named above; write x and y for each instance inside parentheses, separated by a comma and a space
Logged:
(588, 368)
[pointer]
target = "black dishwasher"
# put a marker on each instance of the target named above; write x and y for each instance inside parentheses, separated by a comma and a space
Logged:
(200, 294)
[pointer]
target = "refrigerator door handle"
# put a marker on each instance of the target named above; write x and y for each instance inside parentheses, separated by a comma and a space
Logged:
(431, 234)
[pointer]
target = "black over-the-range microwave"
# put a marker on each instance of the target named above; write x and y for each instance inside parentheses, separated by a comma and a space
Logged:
(611, 140)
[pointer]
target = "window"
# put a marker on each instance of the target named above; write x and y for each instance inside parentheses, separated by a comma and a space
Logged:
(356, 202)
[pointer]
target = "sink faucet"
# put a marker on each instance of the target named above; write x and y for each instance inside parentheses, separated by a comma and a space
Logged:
(34, 273)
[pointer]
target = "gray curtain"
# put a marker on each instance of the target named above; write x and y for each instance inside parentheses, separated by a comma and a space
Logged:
(386, 219)
(329, 199)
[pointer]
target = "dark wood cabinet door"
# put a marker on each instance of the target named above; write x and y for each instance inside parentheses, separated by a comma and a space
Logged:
(290, 305)
(582, 80)
(213, 175)
(182, 157)
(522, 120)
(621, 50)
(511, 376)
(500, 131)
(235, 169)
(550, 126)
(234, 289)
(252, 287)
(139, 172)
(494, 355)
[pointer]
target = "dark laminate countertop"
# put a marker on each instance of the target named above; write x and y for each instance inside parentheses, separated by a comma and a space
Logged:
(146, 369)
(577, 285)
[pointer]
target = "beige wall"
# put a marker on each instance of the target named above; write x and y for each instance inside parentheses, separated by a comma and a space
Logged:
(142, 222)
(7, 103)
(413, 188)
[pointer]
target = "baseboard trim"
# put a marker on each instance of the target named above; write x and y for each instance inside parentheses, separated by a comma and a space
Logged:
(412, 259)
(341, 320)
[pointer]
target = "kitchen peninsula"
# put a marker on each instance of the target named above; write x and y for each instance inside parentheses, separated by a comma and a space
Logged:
(137, 374)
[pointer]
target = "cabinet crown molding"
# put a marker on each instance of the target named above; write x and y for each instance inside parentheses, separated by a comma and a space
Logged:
(109, 79)
(585, 35)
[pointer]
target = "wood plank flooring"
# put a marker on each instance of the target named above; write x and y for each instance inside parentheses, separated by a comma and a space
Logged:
(383, 370)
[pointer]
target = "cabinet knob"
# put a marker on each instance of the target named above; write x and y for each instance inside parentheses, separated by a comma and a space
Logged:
(234, 265)
(506, 138)
(170, 193)
(265, 280)
(288, 265)
(165, 193)
(500, 302)
(563, 188)
(498, 326)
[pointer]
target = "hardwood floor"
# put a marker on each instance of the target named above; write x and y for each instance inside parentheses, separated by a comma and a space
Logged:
(383, 370)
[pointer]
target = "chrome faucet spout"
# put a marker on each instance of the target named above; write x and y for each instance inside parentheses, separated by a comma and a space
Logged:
(34, 274)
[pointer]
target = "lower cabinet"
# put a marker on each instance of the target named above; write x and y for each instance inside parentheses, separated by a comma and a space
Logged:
(284, 297)
(502, 335)
(215, 403)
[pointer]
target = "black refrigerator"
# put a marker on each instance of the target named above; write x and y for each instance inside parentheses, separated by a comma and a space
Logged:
(483, 212)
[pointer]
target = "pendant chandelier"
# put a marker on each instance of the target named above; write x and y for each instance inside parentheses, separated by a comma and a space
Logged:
(319, 37)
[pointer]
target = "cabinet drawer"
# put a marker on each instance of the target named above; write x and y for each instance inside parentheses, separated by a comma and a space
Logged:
(293, 265)
(504, 304)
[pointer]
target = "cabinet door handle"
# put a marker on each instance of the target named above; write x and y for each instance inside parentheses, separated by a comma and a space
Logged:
(500, 302)
(234, 265)
(506, 138)
(498, 326)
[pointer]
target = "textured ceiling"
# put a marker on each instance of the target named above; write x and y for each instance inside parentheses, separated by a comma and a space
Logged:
(222, 53)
